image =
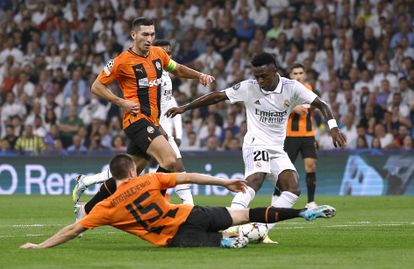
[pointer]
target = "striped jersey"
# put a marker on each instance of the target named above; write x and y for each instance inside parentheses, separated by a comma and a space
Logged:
(298, 125)
(140, 81)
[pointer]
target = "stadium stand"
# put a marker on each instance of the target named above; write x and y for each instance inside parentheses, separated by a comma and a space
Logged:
(358, 54)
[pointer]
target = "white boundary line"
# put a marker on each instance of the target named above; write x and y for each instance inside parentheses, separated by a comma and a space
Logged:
(284, 227)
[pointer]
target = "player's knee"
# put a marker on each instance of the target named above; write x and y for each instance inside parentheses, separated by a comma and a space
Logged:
(170, 164)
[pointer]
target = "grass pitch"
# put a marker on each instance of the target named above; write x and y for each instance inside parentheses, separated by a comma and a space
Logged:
(368, 232)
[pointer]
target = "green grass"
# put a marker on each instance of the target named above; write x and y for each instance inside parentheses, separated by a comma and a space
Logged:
(368, 232)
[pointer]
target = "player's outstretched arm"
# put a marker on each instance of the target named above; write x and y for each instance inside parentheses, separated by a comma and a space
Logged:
(64, 235)
(99, 89)
(337, 137)
(236, 185)
(205, 100)
(183, 71)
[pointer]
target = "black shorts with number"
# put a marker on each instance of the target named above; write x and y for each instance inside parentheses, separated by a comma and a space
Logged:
(306, 145)
(201, 227)
(141, 133)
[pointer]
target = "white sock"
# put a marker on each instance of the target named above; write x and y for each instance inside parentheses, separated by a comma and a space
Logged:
(242, 200)
(274, 198)
(97, 178)
(184, 192)
(286, 200)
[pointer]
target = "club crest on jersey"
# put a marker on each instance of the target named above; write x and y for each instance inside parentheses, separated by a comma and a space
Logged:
(286, 103)
(236, 86)
(109, 66)
(150, 129)
(158, 65)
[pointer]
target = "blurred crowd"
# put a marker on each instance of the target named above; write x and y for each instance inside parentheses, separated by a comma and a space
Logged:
(358, 54)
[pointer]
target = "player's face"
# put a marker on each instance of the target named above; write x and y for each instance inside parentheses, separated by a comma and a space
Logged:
(297, 74)
(143, 38)
(266, 76)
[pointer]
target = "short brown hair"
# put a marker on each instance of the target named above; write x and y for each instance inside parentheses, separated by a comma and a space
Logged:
(120, 166)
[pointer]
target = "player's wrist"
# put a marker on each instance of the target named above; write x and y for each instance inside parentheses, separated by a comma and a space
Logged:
(332, 124)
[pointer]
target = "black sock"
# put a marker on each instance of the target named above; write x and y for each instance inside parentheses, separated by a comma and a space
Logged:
(163, 170)
(272, 214)
(311, 186)
(106, 190)
(276, 192)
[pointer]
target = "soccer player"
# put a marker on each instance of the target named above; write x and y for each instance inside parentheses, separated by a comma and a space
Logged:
(138, 72)
(269, 99)
(300, 137)
(138, 207)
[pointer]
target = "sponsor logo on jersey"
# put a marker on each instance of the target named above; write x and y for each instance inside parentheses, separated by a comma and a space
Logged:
(257, 102)
(258, 165)
(150, 129)
(144, 83)
(158, 65)
(271, 116)
(236, 86)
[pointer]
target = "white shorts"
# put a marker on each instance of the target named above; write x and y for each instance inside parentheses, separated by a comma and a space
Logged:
(174, 146)
(269, 161)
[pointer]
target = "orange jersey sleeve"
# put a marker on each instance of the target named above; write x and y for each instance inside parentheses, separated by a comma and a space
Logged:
(137, 207)
(298, 125)
(140, 81)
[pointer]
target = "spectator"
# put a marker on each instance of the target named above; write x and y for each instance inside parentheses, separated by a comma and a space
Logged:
(69, 126)
(407, 143)
(361, 143)
(29, 143)
(384, 137)
(118, 144)
(77, 145)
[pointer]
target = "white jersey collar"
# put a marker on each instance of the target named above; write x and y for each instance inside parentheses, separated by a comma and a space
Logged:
(277, 90)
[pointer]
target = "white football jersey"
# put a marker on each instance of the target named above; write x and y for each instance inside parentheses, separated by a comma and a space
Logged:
(167, 102)
(268, 112)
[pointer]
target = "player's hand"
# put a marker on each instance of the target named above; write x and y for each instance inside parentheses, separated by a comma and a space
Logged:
(236, 185)
(29, 245)
(302, 110)
(172, 112)
(206, 79)
(338, 137)
(130, 107)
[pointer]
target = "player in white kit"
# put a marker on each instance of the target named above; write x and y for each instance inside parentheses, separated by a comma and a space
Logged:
(167, 126)
(269, 99)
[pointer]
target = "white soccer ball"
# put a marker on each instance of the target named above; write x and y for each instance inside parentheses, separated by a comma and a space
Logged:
(254, 231)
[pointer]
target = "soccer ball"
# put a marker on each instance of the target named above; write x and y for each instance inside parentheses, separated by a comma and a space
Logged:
(254, 231)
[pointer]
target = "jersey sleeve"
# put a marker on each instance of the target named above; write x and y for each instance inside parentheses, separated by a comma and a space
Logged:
(97, 217)
(238, 92)
(167, 180)
(302, 95)
(110, 72)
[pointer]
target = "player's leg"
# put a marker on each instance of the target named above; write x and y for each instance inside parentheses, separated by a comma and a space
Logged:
(309, 158)
(256, 167)
(273, 214)
(292, 148)
(285, 178)
(183, 190)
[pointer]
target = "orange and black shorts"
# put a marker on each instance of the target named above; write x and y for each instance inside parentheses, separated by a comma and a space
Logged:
(201, 229)
(140, 134)
(305, 145)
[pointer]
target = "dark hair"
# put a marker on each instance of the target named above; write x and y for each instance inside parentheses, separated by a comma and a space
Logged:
(120, 166)
(263, 59)
(296, 65)
(141, 21)
(161, 42)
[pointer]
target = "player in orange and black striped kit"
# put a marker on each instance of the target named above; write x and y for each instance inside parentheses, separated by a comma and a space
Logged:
(138, 72)
(300, 137)
(137, 207)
